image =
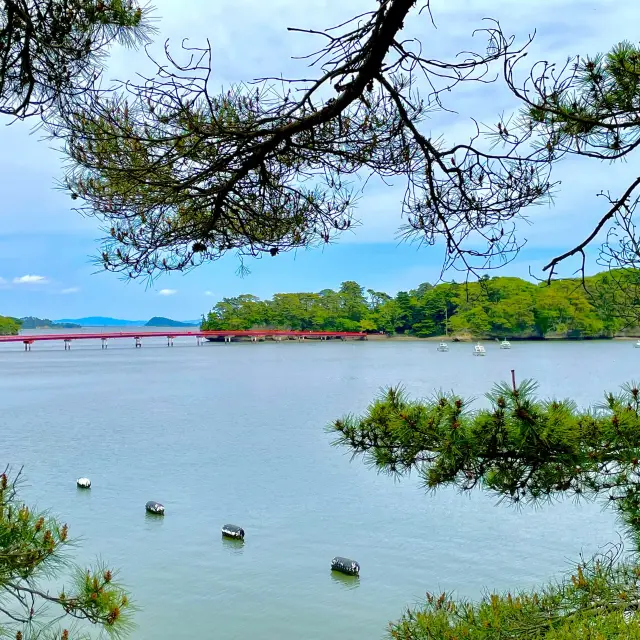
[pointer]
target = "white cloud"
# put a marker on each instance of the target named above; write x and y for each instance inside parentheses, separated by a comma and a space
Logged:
(208, 293)
(70, 290)
(167, 292)
(30, 280)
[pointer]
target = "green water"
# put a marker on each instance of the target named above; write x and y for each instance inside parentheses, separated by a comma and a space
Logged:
(234, 434)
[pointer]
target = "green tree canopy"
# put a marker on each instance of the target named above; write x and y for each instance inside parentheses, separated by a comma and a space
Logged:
(242, 312)
(492, 307)
(9, 326)
(53, 50)
(523, 450)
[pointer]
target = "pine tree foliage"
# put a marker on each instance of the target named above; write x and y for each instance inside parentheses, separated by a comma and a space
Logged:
(588, 107)
(597, 601)
(32, 557)
(523, 450)
(180, 176)
(53, 50)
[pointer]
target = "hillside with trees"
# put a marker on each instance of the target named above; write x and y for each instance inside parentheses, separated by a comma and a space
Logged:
(31, 322)
(488, 308)
(158, 321)
(9, 326)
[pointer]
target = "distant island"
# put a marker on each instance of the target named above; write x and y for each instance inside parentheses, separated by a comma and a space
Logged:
(102, 321)
(31, 322)
(157, 321)
(106, 321)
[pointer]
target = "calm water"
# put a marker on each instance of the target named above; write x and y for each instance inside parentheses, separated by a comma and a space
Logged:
(234, 433)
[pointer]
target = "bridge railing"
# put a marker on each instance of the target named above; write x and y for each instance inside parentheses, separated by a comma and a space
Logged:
(168, 333)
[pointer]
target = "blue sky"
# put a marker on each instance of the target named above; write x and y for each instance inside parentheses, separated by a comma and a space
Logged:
(46, 249)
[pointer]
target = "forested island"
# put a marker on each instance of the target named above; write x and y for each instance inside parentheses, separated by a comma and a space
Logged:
(9, 326)
(31, 322)
(158, 321)
(488, 308)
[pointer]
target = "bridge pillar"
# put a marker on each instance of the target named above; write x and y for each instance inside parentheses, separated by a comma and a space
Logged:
(27, 345)
(104, 342)
(67, 345)
(169, 341)
(138, 343)
(198, 341)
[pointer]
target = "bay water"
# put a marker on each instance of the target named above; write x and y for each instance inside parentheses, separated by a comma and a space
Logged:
(234, 433)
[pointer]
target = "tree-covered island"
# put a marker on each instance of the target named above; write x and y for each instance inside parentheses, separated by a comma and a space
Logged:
(9, 326)
(489, 308)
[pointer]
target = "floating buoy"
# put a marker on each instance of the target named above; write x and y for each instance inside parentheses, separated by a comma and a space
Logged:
(155, 508)
(233, 531)
(344, 565)
(83, 483)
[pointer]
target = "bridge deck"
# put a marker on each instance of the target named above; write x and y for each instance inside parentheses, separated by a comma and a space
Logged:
(169, 333)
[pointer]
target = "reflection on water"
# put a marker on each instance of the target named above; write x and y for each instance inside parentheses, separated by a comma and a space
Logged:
(345, 581)
(83, 494)
(153, 520)
(233, 545)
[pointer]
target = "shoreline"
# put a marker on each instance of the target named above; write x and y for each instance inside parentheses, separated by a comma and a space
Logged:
(406, 338)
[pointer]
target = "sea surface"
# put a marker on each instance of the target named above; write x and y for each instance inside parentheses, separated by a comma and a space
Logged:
(234, 433)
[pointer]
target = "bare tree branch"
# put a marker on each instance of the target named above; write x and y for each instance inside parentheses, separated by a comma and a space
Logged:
(619, 204)
(178, 176)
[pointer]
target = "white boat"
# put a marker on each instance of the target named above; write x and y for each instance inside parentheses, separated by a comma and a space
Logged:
(505, 344)
(637, 345)
(479, 350)
(443, 346)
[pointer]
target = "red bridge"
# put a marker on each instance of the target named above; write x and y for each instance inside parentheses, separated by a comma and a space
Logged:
(211, 336)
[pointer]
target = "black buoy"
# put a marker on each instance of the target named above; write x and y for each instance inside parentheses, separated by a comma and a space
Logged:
(83, 483)
(233, 531)
(155, 508)
(344, 565)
